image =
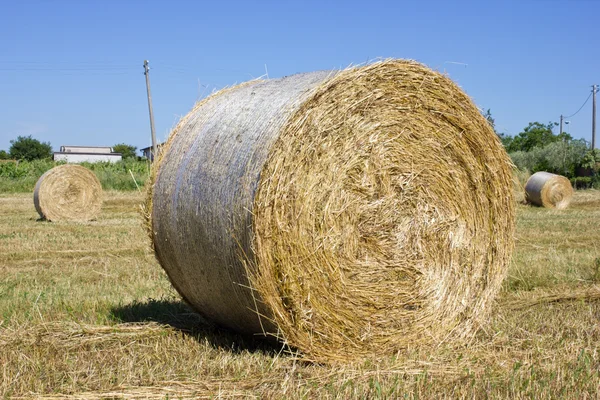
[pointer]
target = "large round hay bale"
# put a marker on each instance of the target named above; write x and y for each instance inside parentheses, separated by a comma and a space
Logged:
(549, 190)
(68, 193)
(347, 213)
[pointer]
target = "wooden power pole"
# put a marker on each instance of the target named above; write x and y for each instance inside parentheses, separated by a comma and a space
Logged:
(561, 122)
(147, 73)
(594, 90)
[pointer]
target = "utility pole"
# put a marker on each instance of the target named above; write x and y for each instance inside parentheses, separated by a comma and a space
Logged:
(561, 122)
(594, 90)
(147, 73)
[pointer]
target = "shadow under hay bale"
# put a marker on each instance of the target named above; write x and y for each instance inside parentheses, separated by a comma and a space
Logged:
(68, 193)
(180, 316)
(347, 213)
(549, 190)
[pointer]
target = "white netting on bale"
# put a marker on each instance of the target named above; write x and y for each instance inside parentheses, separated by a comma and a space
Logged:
(549, 190)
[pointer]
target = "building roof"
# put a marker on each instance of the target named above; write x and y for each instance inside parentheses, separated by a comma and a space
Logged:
(86, 149)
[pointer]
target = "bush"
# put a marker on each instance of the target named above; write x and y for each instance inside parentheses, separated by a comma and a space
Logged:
(564, 157)
(582, 182)
(12, 170)
(561, 158)
(127, 151)
(28, 148)
(591, 161)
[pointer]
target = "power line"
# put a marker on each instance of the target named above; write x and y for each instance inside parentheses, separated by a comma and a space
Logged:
(586, 100)
(65, 66)
(60, 69)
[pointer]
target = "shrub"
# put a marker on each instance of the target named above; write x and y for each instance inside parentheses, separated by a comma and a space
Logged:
(561, 158)
(28, 148)
(582, 182)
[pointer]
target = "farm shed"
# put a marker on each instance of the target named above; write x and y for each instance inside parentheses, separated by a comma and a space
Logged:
(147, 151)
(91, 154)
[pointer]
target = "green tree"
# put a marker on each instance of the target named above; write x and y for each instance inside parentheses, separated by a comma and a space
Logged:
(488, 116)
(559, 157)
(28, 148)
(535, 135)
(591, 160)
(4, 155)
(126, 150)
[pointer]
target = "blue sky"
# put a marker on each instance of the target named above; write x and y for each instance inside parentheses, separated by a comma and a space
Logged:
(71, 71)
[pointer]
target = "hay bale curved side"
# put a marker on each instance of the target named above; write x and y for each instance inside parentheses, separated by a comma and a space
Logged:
(549, 190)
(203, 193)
(68, 193)
(347, 213)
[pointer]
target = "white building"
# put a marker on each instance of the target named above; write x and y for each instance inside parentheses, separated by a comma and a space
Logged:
(79, 154)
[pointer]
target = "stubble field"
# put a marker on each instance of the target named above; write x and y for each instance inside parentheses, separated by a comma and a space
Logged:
(87, 312)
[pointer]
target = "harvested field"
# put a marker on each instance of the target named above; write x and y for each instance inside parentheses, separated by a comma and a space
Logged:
(86, 312)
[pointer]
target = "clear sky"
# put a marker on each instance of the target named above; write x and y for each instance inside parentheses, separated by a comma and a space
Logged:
(71, 71)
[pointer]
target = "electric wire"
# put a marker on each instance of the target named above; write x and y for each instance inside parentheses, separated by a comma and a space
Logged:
(580, 108)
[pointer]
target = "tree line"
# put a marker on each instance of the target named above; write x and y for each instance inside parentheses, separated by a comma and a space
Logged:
(27, 148)
(538, 148)
(535, 148)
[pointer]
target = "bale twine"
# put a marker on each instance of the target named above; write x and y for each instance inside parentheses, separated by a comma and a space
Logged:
(549, 190)
(349, 213)
(68, 193)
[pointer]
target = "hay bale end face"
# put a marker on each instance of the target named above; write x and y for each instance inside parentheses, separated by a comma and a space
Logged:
(68, 193)
(348, 213)
(549, 190)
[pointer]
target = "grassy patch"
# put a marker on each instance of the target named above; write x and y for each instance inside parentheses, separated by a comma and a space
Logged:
(86, 312)
(21, 176)
(554, 247)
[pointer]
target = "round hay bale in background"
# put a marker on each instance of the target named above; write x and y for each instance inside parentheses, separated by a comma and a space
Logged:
(347, 213)
(68, 193)
(549, 190)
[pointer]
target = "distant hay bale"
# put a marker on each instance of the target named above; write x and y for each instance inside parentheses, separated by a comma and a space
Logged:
(349, 213)
(549, 190)
(68, 193)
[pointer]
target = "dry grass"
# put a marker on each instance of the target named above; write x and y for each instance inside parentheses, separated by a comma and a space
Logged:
(86, 312)
(555, 247)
